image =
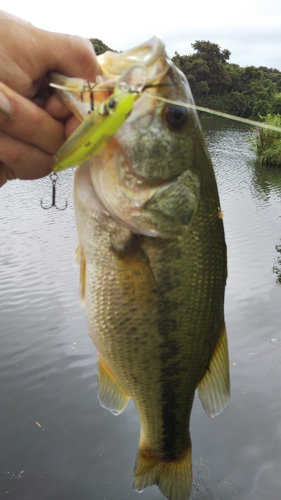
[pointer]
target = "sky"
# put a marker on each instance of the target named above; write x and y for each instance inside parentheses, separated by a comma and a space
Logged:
(250, 29)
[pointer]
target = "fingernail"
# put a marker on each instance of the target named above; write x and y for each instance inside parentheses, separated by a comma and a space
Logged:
(5, 106)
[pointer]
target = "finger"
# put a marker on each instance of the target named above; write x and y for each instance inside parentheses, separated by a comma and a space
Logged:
(30, 123)
(71, 125)
(21, 160)
(37, 52)
(71, 56)
(56, 108)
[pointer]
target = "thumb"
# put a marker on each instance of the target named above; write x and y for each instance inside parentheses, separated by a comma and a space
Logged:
(70, 55)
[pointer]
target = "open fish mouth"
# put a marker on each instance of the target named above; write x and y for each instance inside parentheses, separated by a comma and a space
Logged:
(151, 54)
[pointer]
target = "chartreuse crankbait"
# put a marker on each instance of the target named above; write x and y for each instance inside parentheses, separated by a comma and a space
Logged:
(102, 123)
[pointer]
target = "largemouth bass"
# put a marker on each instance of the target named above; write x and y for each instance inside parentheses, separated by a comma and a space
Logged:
(153, 269)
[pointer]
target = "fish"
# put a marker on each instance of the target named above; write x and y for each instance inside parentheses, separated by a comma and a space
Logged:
(153, 268)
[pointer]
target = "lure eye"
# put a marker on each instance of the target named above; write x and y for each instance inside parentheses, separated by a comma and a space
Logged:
(176, 116)
(112, 104)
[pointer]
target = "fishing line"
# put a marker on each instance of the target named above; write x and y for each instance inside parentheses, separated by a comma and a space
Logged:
(218, 113)
(90, 87)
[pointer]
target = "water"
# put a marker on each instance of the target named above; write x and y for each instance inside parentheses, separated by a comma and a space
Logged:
(56, 441)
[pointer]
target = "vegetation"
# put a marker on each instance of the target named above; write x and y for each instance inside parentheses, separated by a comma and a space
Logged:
(99, 46)
(267, 143)
(249, 92)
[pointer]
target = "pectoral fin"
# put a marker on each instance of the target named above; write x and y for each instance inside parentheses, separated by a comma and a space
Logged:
(110, 393)
(214, 387)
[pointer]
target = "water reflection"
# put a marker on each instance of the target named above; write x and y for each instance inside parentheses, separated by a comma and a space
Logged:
(266, 182)
(277, 265)
(231, 141)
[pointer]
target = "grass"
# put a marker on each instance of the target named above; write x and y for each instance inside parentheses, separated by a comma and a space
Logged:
(267, 144)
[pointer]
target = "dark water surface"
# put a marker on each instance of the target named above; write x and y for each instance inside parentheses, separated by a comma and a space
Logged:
(56, 441)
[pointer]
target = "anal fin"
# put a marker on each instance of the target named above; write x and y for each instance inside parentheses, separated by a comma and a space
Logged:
(214, 387)
(110, 393)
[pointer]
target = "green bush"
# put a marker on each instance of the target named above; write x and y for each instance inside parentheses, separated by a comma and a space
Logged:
(267, 143)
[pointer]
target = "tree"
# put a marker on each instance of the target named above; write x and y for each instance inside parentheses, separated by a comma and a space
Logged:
(211, 52)
(99, 46)
(206, 66)
(249, 92)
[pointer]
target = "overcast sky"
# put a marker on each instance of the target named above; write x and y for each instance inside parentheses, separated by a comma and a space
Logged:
(250, 29)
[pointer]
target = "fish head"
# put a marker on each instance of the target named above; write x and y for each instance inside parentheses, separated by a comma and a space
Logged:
(148, 176)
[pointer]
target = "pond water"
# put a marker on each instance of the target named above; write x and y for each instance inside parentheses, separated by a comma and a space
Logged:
(56, 441)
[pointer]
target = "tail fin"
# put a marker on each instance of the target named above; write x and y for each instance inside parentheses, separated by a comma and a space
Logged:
(174, 478)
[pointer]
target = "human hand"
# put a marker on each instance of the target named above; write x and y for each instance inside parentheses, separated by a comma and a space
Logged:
(40, 122)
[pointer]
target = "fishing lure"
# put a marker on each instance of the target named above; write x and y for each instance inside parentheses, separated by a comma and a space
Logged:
(101, 123)
(95, 131)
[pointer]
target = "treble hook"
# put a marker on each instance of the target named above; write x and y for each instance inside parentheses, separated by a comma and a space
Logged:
(53, 176)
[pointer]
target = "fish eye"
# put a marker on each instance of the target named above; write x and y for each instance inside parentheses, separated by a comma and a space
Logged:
(176, 116)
